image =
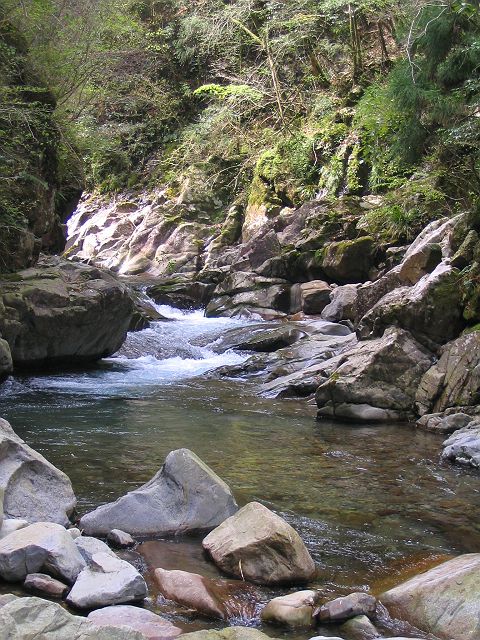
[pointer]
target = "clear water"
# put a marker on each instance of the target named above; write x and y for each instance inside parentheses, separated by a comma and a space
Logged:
(373, 503)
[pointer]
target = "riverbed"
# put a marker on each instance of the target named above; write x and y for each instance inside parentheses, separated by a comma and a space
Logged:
(373, 503)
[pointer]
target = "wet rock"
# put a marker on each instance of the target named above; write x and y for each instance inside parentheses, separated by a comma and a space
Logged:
(44, 546)
(443, 422)
(431, 310)
(9, 525)
(61, 312)
(143, 621)
(120, 539)
(223, 599)
(453, 381)
(108, 580)
(295, 610)
(185, 495)
(181, 294)
(24, 618)
(376, 380)
(43, 585)
(360, 628)
(344, 608)
(442, 601)
(21, 468)
(89, 546)
(349, 261)
(230, 633)
(263, 338)
(342, 305)
(315, 296)
(267, 301)
(257, 545)
(463, 447)
(6, 364)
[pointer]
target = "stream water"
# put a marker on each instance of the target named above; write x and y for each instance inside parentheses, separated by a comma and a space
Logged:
(373, 503)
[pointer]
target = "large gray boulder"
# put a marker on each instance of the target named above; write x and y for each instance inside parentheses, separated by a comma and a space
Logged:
(145, 622)
(106, 581)
(463, 446)
(63, 312)
(257, 545)
(185, 495)
(376, 381)
(35, 618)
(444, 601)
(41, 547)
(21, 469)
(453, 381)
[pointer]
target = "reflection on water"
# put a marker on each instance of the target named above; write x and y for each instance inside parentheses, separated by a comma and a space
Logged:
(372, 502)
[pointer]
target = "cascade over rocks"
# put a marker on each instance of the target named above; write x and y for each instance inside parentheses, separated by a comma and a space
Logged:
(375, 381)
(62, 312)
(23, 618)
(185, 495)
(257, 545)
(22, 468)
(443, 601)
(41, 547)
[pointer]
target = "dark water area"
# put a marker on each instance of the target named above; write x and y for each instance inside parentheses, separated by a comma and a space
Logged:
(374, 504)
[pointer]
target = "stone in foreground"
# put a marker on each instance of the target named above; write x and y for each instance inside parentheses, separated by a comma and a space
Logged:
(29, 618)
(230, 633)
(108, 580)
(444, 601)
(355, 604)
(185, 495)
(43, 585)
(21, 469)
(296, 610)
(223, 599)
(257, 545)
(43, 546)
(89, 546)
(145, 622)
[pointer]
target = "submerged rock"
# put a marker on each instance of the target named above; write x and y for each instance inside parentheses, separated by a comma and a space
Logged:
(257, 545)
(61, 312)
(23, 618)
(43, 546)
(145, 622)
(296, 610)
(443, 601)
(185, 495)
(376, 381)
(223, 599)
(22, 468)
(107, 580)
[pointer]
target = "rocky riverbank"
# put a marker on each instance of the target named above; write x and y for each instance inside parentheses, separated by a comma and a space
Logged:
(58, 561)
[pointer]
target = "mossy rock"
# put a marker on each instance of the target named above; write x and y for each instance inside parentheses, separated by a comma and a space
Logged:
(348, 261)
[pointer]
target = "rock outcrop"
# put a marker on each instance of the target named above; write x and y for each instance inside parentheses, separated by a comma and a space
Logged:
(185, 495)
(376, 380)
(444, 601)
(34, 490)
(257, 545)
(61, 312)
(41, 547)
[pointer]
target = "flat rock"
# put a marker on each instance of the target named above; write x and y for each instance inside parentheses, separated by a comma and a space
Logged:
(443, 601)
(40, 547)
(346, 607)
(215, 598)
(145, 622)
(257, 545)
(185, 495)
(29, 618)
(22, 468)
(43, 585)
(295, 610)
(108, 580)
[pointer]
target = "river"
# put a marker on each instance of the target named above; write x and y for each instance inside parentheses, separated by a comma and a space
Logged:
(373, 503)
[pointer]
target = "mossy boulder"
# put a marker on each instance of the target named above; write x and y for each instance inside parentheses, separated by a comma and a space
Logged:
(348, 261)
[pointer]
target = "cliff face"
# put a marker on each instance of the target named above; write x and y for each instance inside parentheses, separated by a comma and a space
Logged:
(34, 196)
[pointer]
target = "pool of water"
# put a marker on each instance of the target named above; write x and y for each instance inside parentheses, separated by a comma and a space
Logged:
(373, 503)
